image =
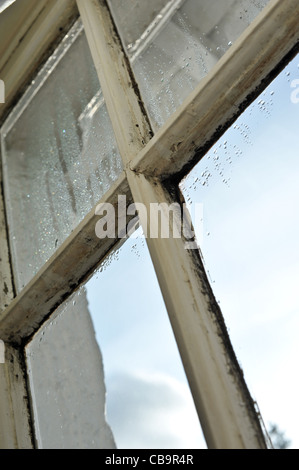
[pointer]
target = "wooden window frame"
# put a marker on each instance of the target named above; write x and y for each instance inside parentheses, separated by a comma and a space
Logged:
(153, 167)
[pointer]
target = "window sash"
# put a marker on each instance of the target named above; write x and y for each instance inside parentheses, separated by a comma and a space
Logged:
(28, 32)
(259, 53)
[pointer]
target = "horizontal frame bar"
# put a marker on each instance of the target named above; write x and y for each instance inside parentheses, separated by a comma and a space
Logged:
(249, 65)
(71, 265)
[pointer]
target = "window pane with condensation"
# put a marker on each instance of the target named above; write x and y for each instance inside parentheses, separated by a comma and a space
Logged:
(248, 185)
(173, 45)
(148, 401)
(66, 381)
(59, 155)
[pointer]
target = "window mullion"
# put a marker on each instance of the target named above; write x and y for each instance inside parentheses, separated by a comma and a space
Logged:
(6, 291)
(15, 428)
(15, 421)
(220, 394)
(127, 114)
(224, 405)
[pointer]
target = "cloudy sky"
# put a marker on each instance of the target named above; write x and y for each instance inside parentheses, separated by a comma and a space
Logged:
(149, 404)
(248, 185)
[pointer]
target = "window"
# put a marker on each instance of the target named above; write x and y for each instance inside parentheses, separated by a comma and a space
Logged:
(127, 139)
(247, 184)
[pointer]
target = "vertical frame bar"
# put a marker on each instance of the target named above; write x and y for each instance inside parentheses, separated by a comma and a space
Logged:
(124, 103)
(15, 428)
(6, 284)
(224, 405)
(15, 422)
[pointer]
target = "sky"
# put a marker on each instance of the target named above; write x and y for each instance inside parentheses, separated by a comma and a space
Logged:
(149, 404)
(248, 187)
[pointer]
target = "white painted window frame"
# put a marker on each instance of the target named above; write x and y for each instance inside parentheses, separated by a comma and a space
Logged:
(153, 167)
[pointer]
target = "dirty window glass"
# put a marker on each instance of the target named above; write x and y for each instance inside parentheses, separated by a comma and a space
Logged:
(173, 45)
(59, 155)
(249, 238)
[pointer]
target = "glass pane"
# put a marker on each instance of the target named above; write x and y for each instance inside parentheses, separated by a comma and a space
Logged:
(148, 401)
(248, 185)
(59, 155)
(66, 381)
(171, 50)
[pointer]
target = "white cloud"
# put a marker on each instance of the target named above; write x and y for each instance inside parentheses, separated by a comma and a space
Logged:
(152, 412)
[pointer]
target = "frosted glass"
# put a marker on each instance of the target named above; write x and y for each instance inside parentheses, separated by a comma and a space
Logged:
(66, 381)
(179, 45)
(134, 16)
(248, 185)
(59, 156)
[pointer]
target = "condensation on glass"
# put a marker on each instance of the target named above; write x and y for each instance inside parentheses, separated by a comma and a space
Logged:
(148, 401)
(173, 44)
(59, 155)
(248, 186)
(66, 380)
